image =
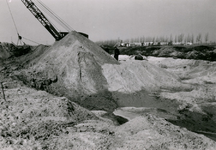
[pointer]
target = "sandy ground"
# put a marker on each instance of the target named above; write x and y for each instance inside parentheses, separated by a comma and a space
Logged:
(160, 103)
(83, 72)
(197, 104)
(32, 119)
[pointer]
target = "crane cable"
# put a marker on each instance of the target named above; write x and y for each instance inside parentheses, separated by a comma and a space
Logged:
(19, 37)
(13, 20)
(56, 17)
(31, 40)
(49, 20)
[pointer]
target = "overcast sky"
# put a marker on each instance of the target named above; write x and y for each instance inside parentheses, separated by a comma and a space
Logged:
(112, 19)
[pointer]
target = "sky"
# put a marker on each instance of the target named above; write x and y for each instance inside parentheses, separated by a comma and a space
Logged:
(113, 19)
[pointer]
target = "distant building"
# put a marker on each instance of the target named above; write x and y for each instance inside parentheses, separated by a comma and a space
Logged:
(138, 44)
(147, 43)
(177, 43)
(163, 43)
(123, 44)
(142, 44)
(188, 43)
(127, 44)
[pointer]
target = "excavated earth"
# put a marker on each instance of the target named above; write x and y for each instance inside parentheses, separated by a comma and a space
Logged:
(73, 95)
(80, 70)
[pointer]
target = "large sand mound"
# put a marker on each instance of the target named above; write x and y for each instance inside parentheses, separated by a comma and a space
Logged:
(133, 82)
(72, 67)
(80, 70)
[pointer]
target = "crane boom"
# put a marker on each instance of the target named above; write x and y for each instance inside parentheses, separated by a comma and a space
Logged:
(43, 20)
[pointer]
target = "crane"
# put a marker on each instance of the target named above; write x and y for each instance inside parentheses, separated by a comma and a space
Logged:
(44, 21)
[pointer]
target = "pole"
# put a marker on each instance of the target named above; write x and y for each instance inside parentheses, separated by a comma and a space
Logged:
(2, 87)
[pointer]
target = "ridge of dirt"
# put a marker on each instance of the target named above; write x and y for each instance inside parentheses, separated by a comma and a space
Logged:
(83, 72)
(29, 117)
(71, 67)
(34, 119)
(8, 50)
(5, 53)
(132, 76)
(150, 132)
(196, 110)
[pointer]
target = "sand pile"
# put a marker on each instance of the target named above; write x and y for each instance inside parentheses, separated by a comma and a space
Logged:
(80, 70)
(5, 50)
(30, 118)
(197, 105)
(151, 132)
(192, 71)
(8, 50)
(202, 72)
(132, 76)
(133, 82)
(72, 67)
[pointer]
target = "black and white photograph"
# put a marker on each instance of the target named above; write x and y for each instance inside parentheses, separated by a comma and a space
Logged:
(107, 74)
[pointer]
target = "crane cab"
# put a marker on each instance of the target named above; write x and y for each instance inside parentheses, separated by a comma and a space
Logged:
(63, 34)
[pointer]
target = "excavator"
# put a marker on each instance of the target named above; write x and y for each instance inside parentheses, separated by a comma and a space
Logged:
(33, 8)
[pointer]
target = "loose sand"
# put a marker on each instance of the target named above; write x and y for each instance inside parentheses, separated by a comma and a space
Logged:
(83, 72)
(160, 98)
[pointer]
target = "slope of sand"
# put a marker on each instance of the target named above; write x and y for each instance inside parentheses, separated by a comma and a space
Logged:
(80, 70)
(197, 106)
(150, 132)
(195, 71)
(34, 119)
(72, 67)
(28, 118)
(132, 76)
(4, 51)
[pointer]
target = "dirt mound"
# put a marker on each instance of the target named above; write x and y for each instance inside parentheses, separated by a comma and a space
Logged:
(28, 118)
(8, 50)
(80, 70)
(202, 72)
(72, 67)
(32, 119)
(133, 82)
(150, 132)
(138, 57)
(5, 50)
(197, 105)
(132, 76)
(193, 71)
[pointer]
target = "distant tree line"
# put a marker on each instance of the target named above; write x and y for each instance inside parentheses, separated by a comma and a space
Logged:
(181, 38)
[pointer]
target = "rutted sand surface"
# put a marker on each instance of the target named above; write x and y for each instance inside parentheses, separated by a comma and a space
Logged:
(162, 98)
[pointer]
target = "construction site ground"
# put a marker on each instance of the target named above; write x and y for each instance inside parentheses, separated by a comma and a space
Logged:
(73, 95)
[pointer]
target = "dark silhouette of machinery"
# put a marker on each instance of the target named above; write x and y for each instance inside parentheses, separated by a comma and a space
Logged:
(45, 22)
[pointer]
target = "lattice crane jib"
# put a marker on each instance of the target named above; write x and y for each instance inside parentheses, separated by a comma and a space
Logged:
(42, 19)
